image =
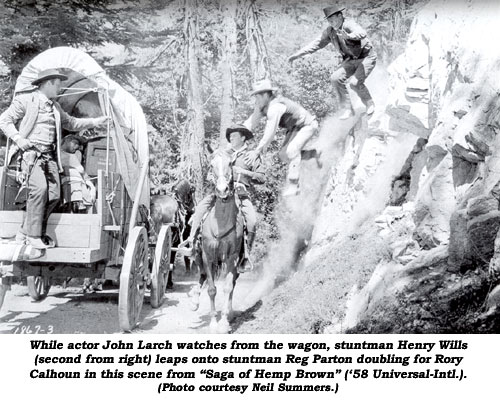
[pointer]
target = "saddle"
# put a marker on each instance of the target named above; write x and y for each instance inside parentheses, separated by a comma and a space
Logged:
(240, 218)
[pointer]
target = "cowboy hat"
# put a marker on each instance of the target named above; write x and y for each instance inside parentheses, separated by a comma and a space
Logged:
(73, 137)
(49, 74)
(241, 129)
(262, 86)
(329, 11)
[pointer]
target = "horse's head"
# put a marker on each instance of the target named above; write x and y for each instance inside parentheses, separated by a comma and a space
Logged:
(222, 168)
(184, 191)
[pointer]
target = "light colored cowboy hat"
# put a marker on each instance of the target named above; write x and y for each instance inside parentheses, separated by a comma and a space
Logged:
(262, 86)
(329, 11)
(49, 74)
(240, 128)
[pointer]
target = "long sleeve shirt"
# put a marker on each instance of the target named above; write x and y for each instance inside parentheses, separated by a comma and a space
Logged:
(244, 182)
(350, 41)
(24, 111)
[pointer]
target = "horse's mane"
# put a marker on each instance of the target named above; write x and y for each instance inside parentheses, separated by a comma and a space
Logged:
(221, 152)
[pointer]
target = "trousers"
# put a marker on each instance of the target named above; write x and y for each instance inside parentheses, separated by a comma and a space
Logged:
(360, 69)
(44, 190)
(246, 207)
(291, 150)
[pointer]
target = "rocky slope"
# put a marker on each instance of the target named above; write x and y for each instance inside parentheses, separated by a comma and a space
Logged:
(407, 235)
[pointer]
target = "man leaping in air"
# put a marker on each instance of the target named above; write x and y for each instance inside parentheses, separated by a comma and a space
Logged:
(281, 112)
(358, 59)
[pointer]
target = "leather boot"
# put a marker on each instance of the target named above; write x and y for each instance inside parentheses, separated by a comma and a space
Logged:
(247, 265)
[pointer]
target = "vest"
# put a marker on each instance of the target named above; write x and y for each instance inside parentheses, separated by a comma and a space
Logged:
(295, 116)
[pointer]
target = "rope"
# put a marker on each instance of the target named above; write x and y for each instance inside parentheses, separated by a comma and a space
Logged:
(78, 91)
(110, 198)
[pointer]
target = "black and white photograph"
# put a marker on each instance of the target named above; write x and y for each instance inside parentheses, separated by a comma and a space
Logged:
(249, 167)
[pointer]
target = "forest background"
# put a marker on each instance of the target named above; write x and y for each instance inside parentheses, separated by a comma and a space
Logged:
(191, 65)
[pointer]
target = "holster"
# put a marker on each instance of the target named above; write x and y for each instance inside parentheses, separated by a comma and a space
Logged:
(25, 163)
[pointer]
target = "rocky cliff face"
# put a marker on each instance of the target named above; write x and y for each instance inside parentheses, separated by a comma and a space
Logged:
(430, 182)
(406, 237)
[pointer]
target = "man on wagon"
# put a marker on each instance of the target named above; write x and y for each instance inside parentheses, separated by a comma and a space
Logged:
(245, 176)
(358, 58)
(34, 122)
(282, 112)
(79, 193)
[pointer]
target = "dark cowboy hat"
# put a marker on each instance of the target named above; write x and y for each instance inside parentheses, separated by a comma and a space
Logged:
(241, 129)
(49, 74)
(329, 11)
(73, 137)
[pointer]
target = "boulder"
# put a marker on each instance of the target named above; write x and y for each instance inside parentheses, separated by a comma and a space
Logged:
(434, 205)
(481, 235)
(493, 300)
(402, 183)
(494, 265)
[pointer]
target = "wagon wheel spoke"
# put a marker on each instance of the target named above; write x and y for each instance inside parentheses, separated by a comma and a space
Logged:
(161, 266)
(132, 279)
(38, 287)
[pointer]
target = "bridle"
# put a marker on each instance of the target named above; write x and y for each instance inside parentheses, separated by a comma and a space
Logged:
(219, 172)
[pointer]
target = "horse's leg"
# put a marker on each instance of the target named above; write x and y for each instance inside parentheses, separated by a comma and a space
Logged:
(229, 283)
(194, 293)
(170, 282)
(212, 290)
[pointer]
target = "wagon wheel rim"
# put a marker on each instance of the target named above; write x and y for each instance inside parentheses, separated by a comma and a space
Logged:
(38, 287)
(132, 279)
(161, 266)
(3, 292)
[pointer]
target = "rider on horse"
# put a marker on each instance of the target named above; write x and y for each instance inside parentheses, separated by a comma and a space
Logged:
(245, 176)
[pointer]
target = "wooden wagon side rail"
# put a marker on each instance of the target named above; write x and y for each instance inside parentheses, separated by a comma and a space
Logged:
(137, 195)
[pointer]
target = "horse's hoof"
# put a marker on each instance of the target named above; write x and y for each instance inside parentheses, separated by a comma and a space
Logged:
(213, 327)
(194, 306)
(223, 327)
(195, 291)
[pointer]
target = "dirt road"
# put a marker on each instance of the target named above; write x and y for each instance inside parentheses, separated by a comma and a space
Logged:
(70, 311)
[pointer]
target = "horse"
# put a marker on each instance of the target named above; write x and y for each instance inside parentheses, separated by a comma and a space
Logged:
(221, 243)
(174, 208)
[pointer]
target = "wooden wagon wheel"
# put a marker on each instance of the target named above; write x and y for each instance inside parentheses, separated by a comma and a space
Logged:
(133, 278)
(38, 287)
(161, 266)
(3, 292)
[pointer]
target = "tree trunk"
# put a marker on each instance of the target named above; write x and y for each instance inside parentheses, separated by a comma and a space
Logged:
(256, 46)
(192, 141)
(228, 63)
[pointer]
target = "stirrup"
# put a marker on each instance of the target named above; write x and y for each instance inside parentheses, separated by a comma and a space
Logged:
(245, 266)
(183, 250)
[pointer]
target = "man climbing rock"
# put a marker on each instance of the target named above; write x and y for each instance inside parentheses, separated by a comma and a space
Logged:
(358, 59)
(281, 112)
(245, 176)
